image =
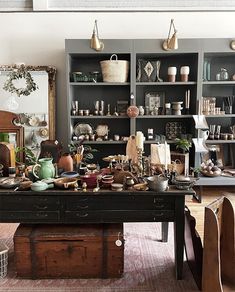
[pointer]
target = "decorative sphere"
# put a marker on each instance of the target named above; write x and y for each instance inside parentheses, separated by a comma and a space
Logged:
(132, 111)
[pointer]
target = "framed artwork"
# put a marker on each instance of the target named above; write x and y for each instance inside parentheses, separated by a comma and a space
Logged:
(122, 106)
(154, 100)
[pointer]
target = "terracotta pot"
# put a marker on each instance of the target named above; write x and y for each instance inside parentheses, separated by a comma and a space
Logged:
(66, 162)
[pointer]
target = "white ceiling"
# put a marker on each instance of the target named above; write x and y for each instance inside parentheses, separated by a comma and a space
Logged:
(117, 5)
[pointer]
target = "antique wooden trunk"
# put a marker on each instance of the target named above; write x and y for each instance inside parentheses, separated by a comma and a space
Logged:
(69, 251)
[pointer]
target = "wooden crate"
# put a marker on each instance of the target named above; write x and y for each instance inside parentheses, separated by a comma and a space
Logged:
(69, 251)
(184, 158)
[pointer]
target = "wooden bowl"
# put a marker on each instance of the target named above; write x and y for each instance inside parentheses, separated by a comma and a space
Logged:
(206, 173)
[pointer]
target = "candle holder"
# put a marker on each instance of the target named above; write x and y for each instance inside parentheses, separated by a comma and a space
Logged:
(140, 161)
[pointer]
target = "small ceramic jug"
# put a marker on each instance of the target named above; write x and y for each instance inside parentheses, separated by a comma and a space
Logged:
(204, 134)
(45, 168)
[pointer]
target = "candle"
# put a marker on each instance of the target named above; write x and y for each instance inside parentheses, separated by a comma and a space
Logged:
(165, 155)
(140, 140)
(154, 154)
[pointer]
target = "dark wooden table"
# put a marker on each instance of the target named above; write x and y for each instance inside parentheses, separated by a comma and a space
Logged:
(64, 206)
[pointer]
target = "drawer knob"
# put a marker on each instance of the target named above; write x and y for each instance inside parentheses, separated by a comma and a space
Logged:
(81, 214)
(41, 207)
(82, 207)
(42, 215)
(157, 216)
(157, 200)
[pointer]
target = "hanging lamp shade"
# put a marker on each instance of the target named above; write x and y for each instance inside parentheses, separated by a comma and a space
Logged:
(96, 44)
(171, 43)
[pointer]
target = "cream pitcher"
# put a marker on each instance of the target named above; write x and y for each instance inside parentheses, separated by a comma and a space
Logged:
(44, 168)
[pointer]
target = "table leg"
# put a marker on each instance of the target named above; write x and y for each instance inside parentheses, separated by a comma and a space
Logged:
(198, 196)
(165, 226)
(179, 236)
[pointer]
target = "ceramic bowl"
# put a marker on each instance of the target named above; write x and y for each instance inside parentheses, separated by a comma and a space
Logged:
(65, 182)
(107, 178)
(39, 186)
(157, 183)
(117, 187)
(90, 179)
(70, 174)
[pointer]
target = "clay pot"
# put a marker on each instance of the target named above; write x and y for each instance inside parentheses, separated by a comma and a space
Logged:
(66, 162)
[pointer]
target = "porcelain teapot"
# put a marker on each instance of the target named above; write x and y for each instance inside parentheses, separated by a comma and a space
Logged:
(44, 168)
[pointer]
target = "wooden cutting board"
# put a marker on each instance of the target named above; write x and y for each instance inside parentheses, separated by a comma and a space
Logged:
(131, 151)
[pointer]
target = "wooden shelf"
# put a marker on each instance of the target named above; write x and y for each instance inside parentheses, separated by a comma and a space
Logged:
(154, 142)
(218, 82)
(100, 142)
(221, 116)
(166, 83)
(98, 117)
(99, 83)
(220, 141)
(165, 117)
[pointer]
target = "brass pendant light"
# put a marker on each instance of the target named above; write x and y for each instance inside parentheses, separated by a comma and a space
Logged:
(96, 43)
(171, 43)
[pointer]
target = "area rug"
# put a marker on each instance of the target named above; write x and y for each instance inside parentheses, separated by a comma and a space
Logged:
(148, 266)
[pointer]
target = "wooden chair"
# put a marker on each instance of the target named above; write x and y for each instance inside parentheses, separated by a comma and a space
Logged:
(193, 247)
(218, 271)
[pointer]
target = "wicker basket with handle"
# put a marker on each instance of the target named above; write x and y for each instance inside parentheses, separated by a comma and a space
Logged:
(114, 70)
(175, 165)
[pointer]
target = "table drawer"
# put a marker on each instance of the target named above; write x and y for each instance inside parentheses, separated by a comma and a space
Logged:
(118, 216)
(29, 203)
(30, 217)
(129, 202)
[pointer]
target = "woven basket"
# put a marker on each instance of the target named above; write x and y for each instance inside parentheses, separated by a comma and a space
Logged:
(176, 165)
(114, 70)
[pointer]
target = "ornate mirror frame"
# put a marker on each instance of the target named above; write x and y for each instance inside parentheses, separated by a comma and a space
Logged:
(51, 71)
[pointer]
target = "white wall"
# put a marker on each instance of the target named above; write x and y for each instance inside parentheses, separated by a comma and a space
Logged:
(38, 38)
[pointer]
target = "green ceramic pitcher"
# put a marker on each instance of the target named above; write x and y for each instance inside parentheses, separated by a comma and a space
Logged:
(44, 168)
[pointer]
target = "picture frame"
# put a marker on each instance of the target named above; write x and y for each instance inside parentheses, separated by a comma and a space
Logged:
(155, 100)
(122, 106)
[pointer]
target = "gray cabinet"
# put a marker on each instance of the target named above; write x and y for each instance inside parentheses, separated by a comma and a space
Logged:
(191, 52)
(218, 87)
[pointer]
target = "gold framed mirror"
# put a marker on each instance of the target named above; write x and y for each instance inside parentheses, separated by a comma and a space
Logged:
(35, 110)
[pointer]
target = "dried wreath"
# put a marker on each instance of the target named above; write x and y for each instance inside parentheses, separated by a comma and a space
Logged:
(16, 74)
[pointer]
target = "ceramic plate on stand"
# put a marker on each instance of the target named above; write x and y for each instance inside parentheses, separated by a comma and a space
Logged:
(82, 129)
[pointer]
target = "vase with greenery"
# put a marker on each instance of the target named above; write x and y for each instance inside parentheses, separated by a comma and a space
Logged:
(183, 145)
(88, 154)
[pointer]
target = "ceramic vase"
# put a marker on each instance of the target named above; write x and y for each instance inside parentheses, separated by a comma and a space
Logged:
(66, 162)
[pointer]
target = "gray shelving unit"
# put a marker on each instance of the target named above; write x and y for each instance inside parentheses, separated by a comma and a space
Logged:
(191, 52)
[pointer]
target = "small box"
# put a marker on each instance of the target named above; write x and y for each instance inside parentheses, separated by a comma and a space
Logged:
(69, 251)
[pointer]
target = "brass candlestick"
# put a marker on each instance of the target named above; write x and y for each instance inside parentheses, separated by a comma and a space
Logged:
(140, 161)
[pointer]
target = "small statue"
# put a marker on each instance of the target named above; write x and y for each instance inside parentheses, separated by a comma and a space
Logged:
(84, 187)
